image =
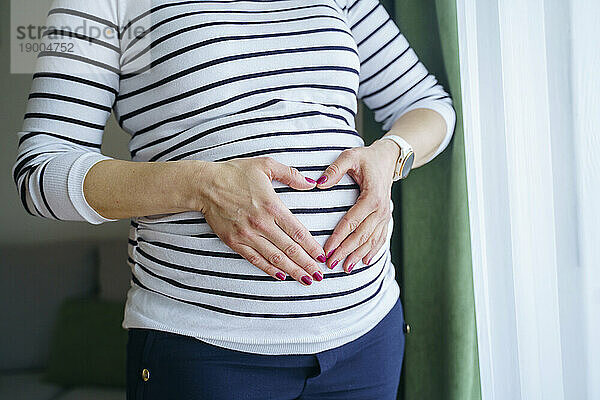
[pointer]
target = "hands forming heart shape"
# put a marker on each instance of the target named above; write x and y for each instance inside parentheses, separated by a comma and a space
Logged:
(242, 208)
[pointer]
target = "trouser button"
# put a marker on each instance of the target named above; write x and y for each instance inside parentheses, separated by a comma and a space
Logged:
(145, 375)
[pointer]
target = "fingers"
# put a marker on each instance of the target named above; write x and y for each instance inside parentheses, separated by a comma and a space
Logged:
(277, 258)
(333, 174)
(259, 261)
(383, 237)
(293, 250)
(299, 234)
(287, 175)
(368, 249)
(377, 242)
(365, 205)
(282, 215)
(360, 236)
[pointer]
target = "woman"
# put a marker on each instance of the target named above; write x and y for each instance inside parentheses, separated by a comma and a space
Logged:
(260, 221)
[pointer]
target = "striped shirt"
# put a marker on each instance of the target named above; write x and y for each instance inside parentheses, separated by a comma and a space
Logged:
(214, 80)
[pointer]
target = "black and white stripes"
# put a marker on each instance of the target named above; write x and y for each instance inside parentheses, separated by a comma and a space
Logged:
(216, 80)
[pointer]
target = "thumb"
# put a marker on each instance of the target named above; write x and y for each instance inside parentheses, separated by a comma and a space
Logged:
(334, 173)
(289, 176)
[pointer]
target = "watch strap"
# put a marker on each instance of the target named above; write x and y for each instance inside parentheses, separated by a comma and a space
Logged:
(405, 149)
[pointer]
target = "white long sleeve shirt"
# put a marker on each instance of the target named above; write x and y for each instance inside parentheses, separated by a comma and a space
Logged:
(216, 80)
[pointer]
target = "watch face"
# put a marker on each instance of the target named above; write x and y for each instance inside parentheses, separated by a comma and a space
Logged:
(407, 165)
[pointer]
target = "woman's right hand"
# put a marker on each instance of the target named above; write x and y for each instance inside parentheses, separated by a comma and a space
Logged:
(239, 203)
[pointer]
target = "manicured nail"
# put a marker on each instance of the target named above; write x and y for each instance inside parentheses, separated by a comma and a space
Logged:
(350, 267)
(307, 279)
(322, 179)
(369, 262)
(333, 264)
(318, 276)
(330, 253)
(309, 179)
(280, 275)
(322, 258)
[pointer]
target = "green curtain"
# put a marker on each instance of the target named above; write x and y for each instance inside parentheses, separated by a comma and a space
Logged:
(431, 239)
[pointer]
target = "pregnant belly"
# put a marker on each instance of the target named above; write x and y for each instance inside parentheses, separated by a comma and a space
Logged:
(183, 259)
(180, 254)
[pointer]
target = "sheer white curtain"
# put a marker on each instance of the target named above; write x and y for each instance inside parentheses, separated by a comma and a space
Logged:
(586, 101)
(531, 112)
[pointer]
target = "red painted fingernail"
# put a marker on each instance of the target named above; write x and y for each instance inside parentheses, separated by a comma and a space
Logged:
(280, 275)
(322, 179)
(333, 264)
(369, 262)
(321, 258)
(307, 279)
(330, 253)
(309, 179)
(350, 267)
(318, 276)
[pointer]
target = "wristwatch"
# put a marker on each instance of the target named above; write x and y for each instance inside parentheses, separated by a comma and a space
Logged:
(405, 159)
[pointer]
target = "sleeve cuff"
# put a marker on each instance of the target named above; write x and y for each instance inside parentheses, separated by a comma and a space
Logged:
(447, 112)
(77, 173)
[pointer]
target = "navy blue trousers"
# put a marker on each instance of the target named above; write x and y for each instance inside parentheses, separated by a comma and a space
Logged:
(163, 366)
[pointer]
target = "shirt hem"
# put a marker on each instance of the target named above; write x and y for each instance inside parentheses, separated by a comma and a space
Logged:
(338, 338)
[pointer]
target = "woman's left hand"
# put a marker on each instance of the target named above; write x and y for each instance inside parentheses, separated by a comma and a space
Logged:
(363, 229)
